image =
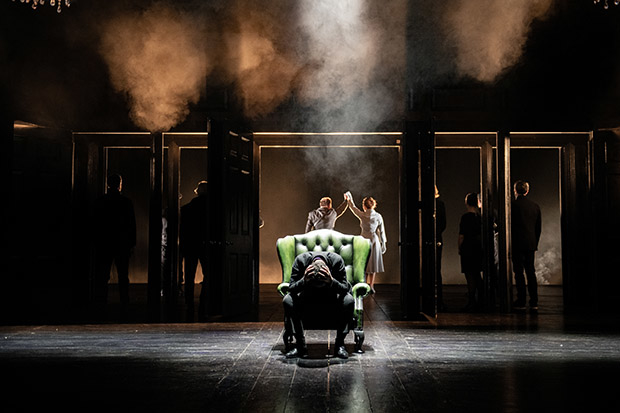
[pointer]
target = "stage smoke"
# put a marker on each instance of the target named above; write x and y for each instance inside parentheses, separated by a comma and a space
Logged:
(489, 35)
(263, 68)
(549, 266)
(341, 63)
(354, 62)
(158, 59)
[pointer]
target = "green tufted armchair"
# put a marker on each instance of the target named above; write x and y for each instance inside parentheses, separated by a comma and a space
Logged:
(354, 250)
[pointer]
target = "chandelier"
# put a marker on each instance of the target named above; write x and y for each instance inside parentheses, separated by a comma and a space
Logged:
(52, 3)
(606, 3)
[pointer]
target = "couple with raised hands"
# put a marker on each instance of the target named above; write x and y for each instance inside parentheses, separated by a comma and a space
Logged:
(371, 224)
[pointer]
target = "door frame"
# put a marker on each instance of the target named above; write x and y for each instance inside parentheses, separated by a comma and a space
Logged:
(89, 175)
(496, 188)
(484, 142)
(576, 226)
(88, 182)
(267, 139)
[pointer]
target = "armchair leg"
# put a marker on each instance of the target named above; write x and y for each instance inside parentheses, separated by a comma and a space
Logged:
(359, 340)
(358, 331)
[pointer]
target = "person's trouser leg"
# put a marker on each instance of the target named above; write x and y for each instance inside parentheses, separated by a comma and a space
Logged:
(347, 306)
(473, 283)
(293, 324)
(292, 316)
(103, 265)
(204, 289)
(517, 267)
(191, 262)
(530, 272)
(122, 268)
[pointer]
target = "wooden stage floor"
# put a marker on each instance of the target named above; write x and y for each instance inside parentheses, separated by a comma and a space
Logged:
(456, 363)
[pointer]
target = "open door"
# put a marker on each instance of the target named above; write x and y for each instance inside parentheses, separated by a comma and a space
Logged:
(132, 155)
(465, 161)
(418, 222)
(576, 220)
(231, 280)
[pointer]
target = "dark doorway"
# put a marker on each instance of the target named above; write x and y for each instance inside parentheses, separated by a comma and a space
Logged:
(193, 169)
(133, 163)
(457, 174)
(565, 157)
(547, 166)
(541, 168)
(297, 170)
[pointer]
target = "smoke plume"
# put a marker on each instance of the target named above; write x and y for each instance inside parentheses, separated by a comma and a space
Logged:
(489, 35)
(157, 58)
(260, 63)
(343, 65)
(354, 55)
(549, 266)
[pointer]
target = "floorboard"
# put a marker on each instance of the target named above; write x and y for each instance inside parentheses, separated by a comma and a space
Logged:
(485, 362)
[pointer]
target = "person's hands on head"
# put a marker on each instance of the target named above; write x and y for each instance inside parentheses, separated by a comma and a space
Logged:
(317, 274)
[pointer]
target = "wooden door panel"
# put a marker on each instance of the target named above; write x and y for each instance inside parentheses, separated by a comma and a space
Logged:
(232, 182)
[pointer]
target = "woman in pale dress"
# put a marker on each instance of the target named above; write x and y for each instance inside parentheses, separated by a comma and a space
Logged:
(371, 223)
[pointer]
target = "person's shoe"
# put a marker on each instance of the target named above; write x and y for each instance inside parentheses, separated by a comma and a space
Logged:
(341, 352)
(534, 308)
(517, 306)
(297, 353)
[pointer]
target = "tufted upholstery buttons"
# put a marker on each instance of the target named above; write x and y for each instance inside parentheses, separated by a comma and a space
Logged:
(331, 241)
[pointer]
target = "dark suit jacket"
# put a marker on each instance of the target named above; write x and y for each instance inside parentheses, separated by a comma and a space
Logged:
(114, 222)
(339, 285)
(193, 229)
(526, 224)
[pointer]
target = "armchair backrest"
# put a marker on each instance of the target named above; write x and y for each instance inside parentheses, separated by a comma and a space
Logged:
(354, 250)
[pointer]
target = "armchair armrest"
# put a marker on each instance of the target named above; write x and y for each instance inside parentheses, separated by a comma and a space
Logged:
(361, 246)
(360, 290)
(283, 289)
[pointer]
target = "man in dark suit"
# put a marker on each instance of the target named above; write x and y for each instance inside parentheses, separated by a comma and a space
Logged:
(526, 229)
(193, 234)
(318, 287)
(114, 239)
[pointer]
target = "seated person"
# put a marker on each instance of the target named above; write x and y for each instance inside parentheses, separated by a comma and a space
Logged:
(318, 287)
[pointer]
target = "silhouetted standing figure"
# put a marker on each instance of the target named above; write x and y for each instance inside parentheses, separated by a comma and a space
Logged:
(193, 238)
(470, 250)
(114, 240)
(440, 223)
(526, 224)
